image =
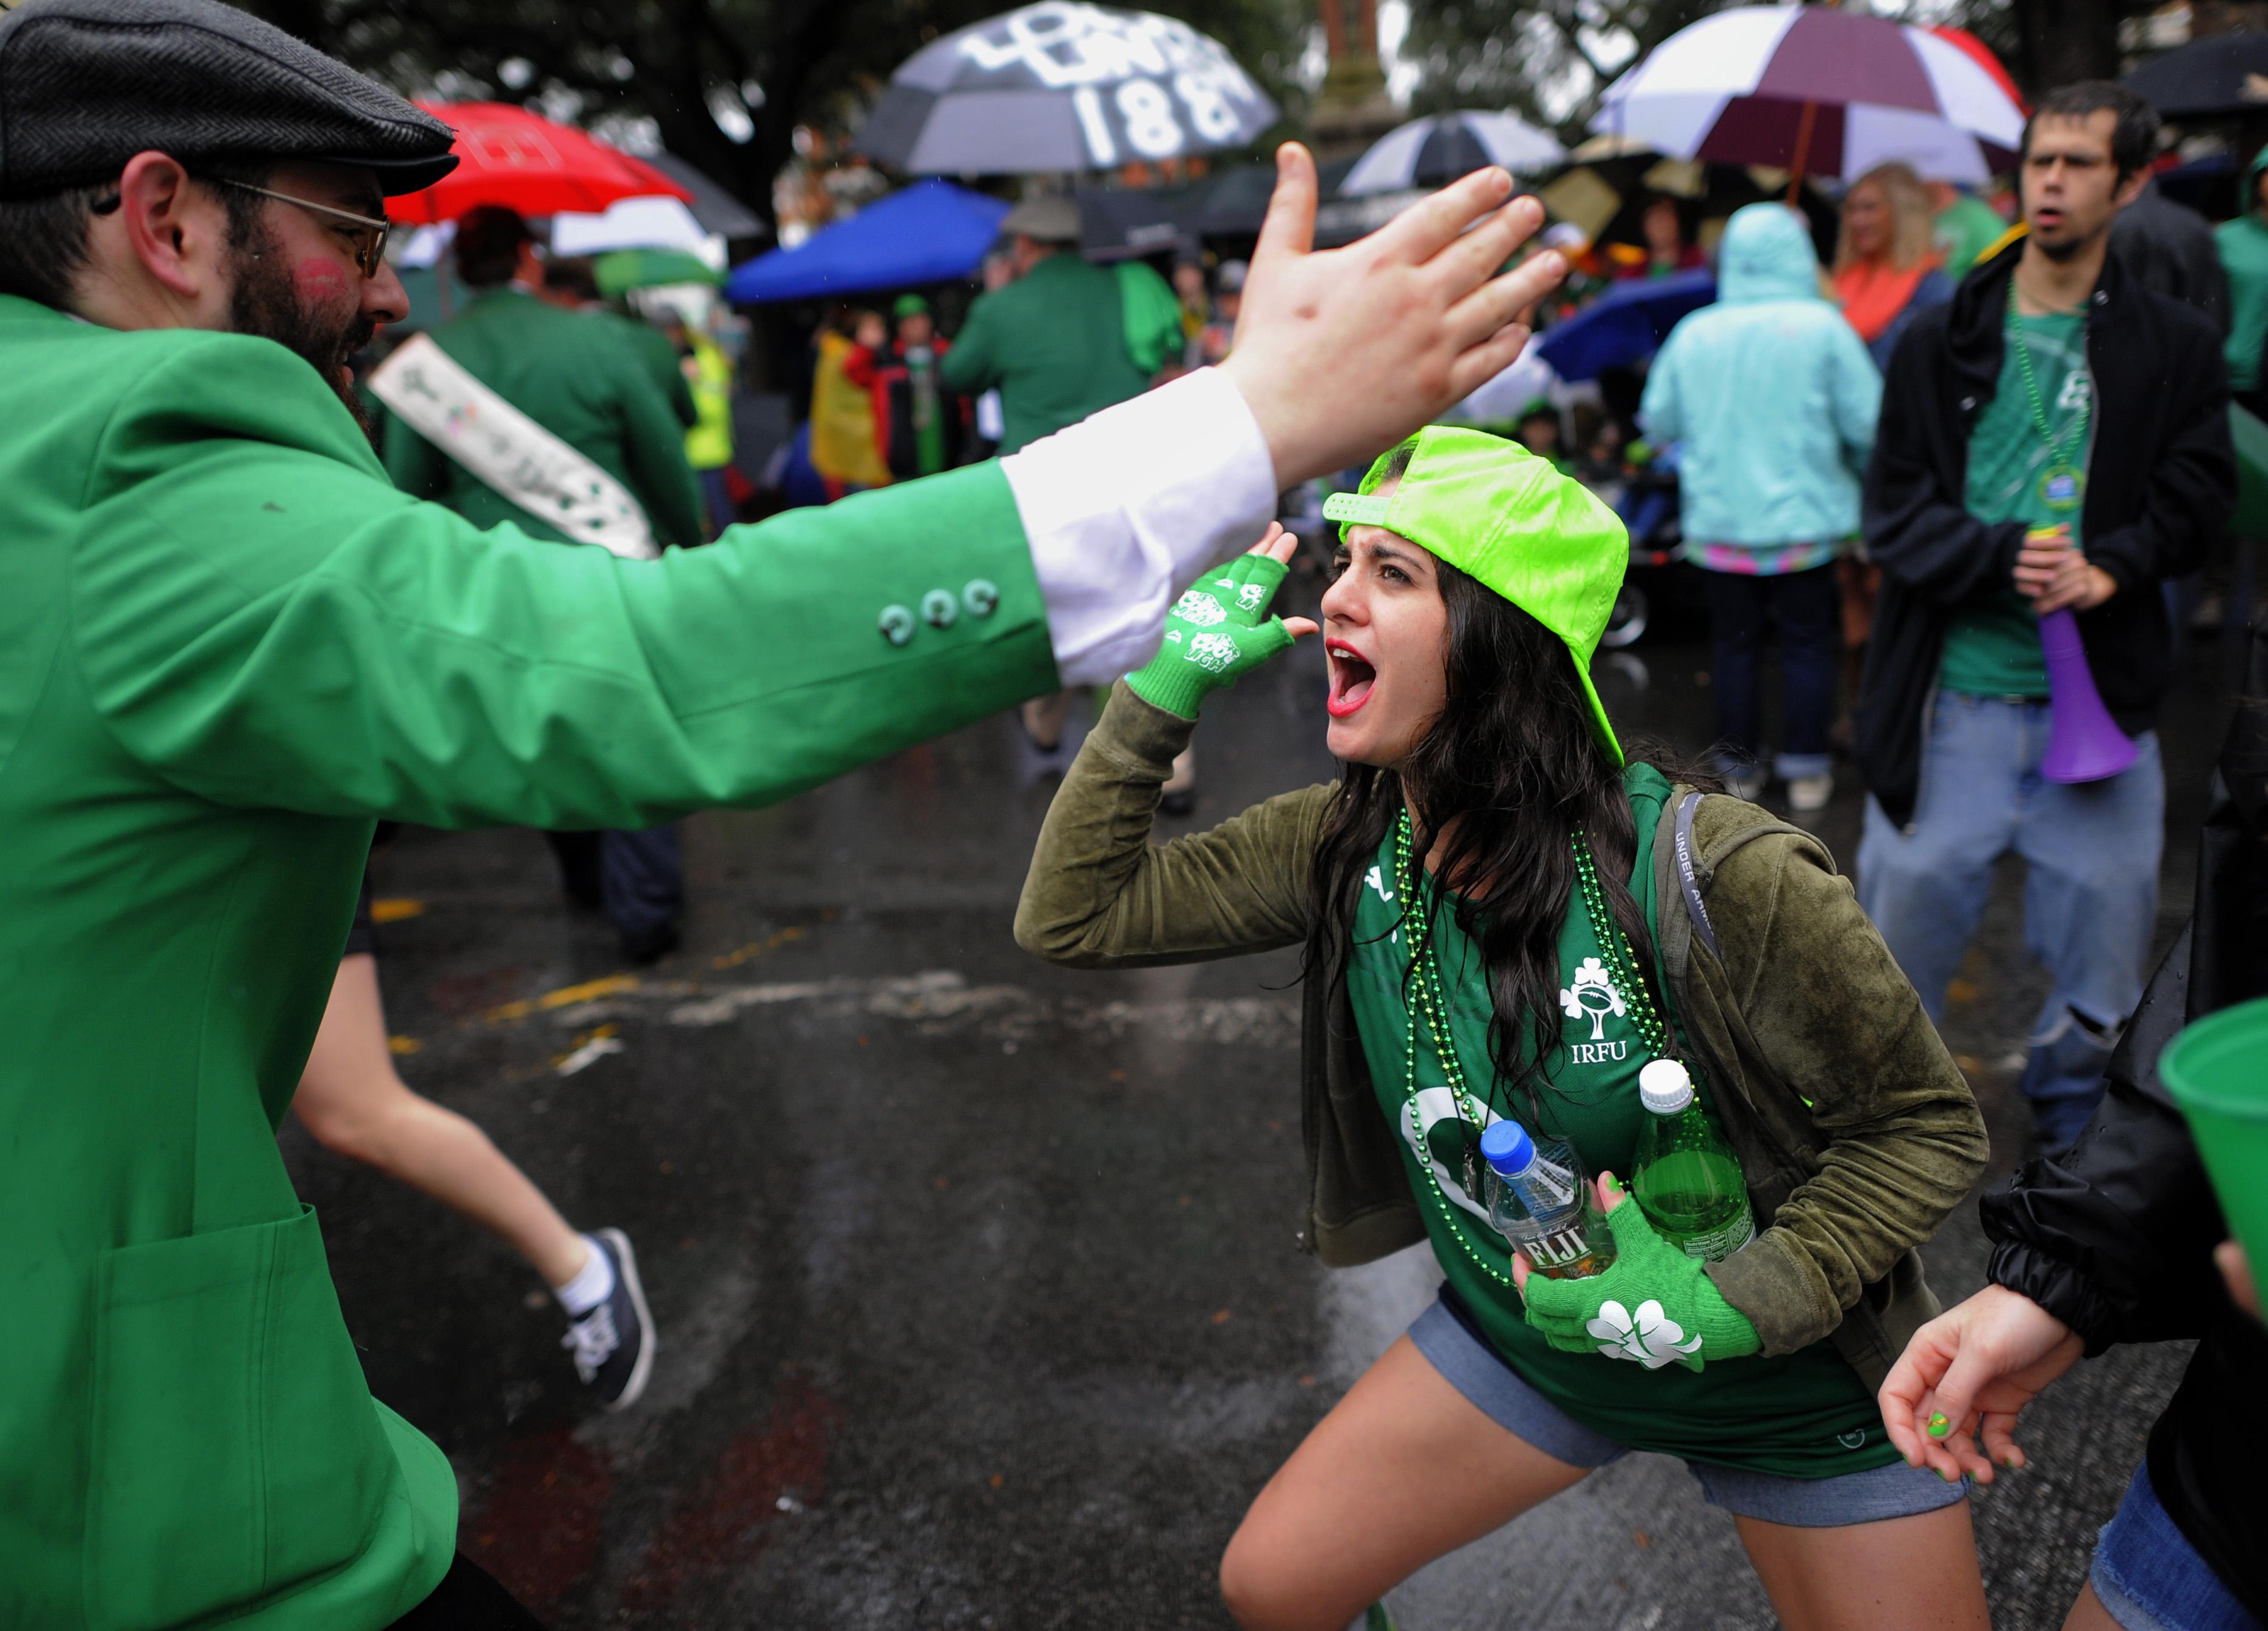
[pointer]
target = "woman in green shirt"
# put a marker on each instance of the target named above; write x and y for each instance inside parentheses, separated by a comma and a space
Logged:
(1488, 856)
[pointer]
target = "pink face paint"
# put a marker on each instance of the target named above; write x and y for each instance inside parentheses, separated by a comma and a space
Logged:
(320, 281)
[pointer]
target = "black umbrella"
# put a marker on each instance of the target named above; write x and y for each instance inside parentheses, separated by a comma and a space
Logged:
(714, 208)
(2218, 74)
(1062, 86)
(1118, 224)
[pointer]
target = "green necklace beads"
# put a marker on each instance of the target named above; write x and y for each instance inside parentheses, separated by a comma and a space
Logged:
(1433, 1008)
(2063, 485)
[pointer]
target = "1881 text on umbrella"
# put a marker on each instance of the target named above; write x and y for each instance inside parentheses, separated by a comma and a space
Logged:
(1134, 55)
(1064, 85)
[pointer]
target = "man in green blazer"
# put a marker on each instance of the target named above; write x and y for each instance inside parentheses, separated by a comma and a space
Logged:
(1053, 342)
(228, 645)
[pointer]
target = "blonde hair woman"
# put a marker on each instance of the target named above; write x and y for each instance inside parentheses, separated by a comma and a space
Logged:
(1887, 264)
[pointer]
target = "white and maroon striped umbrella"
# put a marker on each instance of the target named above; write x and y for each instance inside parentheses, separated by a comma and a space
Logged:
(1819, 91)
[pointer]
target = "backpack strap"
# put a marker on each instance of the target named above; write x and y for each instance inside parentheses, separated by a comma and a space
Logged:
(1675, 840)
(1688, 884)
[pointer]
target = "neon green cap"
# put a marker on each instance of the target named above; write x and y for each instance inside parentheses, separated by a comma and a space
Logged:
(1491, 508)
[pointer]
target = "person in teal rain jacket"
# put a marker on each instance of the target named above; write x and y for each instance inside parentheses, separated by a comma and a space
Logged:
(2243, 245)
(1771, 398)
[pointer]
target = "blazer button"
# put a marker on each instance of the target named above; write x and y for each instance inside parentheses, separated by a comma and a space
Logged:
(896, 624)
(939, 608)
(980, 597)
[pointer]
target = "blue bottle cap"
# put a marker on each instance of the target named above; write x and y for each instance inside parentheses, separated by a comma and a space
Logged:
(1506, 1146)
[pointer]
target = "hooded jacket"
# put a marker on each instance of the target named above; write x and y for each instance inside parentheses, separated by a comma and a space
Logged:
(2243, 246)
(1769, 392)
(2160, 480)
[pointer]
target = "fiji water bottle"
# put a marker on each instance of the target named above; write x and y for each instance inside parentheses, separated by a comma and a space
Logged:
(1540, 1198)
(1684, 1176)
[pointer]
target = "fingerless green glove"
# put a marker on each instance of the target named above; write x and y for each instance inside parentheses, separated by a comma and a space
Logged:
(1654, 1304)
(1217, 631)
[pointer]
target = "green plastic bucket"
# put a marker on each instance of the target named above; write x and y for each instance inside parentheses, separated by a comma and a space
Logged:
(2217, 1071)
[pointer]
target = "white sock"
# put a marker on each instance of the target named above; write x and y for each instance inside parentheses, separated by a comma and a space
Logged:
(589, 1288)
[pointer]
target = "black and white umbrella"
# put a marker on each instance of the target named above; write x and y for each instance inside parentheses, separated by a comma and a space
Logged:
(1062, 85)
(1436, 150)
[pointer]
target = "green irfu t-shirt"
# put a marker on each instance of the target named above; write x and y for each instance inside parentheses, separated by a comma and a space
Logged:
(1992, 644)
(1805, 1414)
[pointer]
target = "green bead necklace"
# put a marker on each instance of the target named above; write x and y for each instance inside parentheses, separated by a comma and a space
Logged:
(1433, 1008)
(2062, 485)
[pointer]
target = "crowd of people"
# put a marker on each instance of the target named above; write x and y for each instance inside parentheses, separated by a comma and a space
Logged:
(259, 607)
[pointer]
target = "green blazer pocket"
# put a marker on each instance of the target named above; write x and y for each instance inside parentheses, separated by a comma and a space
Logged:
(234, 1449)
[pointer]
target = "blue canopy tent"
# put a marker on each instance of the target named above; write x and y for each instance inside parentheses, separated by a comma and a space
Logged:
(930, 233)
(1625, 325)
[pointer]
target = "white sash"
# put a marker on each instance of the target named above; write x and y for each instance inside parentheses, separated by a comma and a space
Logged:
(503, 447)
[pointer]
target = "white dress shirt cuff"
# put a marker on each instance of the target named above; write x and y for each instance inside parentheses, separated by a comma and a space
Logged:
(1125, 508)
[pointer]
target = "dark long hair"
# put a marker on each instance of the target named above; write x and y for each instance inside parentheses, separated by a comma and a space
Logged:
(1510, 769)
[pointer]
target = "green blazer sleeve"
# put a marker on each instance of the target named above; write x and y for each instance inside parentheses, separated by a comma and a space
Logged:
(261, 619)
(1100, 895)
(968, 366)
(1829, 1009)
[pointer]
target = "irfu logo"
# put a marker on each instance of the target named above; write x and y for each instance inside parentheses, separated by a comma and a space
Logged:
(1593, 993)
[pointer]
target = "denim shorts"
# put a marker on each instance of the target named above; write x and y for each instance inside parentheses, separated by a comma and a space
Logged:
(1471, 1367)
(2149, 1577)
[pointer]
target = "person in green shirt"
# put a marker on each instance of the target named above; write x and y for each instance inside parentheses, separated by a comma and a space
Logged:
(229, 645)
(1482, 901)
(2055, 439)
(2243, 246)
(1965, 227)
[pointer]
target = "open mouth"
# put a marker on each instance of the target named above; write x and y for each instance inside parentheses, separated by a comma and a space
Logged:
(1352, 678)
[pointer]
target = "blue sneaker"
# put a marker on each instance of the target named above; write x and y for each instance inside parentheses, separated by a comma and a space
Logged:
(613, 1343)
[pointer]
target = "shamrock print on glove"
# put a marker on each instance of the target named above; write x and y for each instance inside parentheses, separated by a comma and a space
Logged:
(1217, 631)
(1649, 1336)
(1199, 609)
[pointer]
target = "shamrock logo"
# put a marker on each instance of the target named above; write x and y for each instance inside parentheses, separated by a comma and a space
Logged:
(1376, 879)
(1593, 993)
(1251, 595)
(1215, 652)
(1650, 1336)
(1198, 607)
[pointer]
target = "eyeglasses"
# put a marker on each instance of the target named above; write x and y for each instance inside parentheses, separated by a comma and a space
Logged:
(369, 249)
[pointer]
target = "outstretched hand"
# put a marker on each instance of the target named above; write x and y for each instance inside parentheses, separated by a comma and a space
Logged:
(1967, 1374)
(1341, 352)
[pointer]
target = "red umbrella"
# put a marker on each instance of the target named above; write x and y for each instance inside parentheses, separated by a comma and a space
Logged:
(526, 162)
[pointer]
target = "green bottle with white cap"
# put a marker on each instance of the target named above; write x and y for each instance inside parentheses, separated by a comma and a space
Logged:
(1683, 1175)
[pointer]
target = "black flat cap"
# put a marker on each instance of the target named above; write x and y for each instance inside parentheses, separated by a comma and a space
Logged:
(85, 84)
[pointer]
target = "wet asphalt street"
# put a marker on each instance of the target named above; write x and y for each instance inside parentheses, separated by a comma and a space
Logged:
(979, 1300)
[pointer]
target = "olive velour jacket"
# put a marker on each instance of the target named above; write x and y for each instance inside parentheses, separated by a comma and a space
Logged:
(1855, 1130)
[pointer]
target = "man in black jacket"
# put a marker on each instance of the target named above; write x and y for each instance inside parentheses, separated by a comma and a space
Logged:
(2115, 1243)
(2078, 468)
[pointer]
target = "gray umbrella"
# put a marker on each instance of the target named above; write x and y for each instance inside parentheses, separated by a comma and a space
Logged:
(1062, 85)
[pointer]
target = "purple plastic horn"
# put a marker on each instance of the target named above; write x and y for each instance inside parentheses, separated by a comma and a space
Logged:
(2084, 742)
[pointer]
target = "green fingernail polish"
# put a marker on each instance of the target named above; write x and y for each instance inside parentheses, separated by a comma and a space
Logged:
(1947, 1476)
(1939, 1425)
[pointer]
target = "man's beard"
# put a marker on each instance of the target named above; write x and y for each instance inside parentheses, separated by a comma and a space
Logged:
(264, 302)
